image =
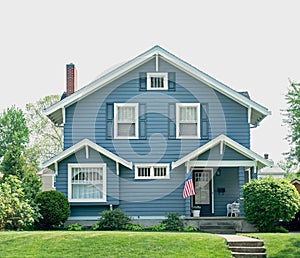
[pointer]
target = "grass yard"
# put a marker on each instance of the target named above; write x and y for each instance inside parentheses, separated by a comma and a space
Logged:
(111, 244)
(280, 245)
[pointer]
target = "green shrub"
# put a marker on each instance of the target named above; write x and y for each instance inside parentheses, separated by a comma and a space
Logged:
(279, 229)
(158, 227)
(74, 227)
(112, 220)
(134, 227)
(173, 222)
(190, 229)
(267, 201)
(15, 212)
(54, 208)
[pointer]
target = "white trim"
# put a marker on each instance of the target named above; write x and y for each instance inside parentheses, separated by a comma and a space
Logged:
(117, 168)
(249, 115)
(86, 151)
(212, 192)
(152, 166)
(156, 62)
(181, 105)
(143, 58)
(78, 146)
(86, 165)
(64, 115)
(221, 163)
(160, 75)
(136, 120)
(229, 142)
(191, 167)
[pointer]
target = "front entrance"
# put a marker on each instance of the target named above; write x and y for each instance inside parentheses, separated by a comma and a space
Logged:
(202, 178)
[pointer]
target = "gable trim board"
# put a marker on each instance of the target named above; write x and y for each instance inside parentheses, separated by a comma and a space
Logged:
(221, 140)
(85, 143)
(256, 111)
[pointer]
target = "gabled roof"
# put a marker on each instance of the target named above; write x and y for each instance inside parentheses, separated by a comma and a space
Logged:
(295, 181)
(82, 144)
(223, 139)
(256, 111)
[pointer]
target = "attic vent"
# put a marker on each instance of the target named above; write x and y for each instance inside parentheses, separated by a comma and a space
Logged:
(157, 81)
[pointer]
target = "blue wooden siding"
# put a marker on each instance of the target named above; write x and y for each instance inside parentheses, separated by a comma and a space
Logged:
(88, 119)
(152, 197)
(228, 154)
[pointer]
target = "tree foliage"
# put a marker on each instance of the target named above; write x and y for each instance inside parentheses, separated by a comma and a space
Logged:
(293, 121)
(15, 211)
(14, 136)
(46, 139)
(13, 130)
(266, 201)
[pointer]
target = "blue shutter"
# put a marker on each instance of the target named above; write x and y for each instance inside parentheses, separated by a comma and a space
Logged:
(204, 121)
(172, 81)
(142, 122)
(172, 121)
(143, 81)
(109, 120)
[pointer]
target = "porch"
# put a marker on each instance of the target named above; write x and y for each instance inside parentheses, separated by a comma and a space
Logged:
(220, 225)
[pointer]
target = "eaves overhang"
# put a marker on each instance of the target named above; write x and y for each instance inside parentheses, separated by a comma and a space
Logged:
(256, 111)
(224, 140)
(84, 144)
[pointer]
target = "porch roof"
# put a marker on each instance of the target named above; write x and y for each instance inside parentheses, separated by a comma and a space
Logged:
(224, 140)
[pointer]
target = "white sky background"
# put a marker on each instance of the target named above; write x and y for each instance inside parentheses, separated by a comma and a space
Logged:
(250, 46)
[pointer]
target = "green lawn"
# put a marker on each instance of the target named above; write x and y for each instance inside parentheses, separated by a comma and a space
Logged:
(280, 245)
(111, 244)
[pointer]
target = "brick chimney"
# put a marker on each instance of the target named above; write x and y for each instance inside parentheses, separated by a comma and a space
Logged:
(71, 76)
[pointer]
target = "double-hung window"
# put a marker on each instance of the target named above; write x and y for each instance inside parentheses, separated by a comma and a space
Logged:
(188, 120)
(152, 171)
(126, 121)
(87, 182)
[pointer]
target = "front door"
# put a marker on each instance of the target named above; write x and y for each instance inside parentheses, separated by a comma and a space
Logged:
(202, 181)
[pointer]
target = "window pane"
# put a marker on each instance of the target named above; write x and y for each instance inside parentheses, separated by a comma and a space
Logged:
(188, 114)
(188, 129)
(160, 171)
(126, 114)
(143, 172)
(126, 129)
(157, 82)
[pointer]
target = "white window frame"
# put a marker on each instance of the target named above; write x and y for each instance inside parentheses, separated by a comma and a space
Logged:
(116, 106)
(162, 75)
(86, 165)
(180, 105)
(152, 166)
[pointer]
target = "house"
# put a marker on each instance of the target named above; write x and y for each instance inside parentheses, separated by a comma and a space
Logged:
(274, 171)
(47, 177)
(295, 182)
(132, 136)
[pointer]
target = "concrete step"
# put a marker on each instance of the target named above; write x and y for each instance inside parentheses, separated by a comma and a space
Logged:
(248, 249)
(248, 255)
(218, 231)
(215, 229)
(253, 243)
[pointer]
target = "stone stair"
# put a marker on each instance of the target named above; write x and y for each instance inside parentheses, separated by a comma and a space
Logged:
(246, 247)
(218, 228)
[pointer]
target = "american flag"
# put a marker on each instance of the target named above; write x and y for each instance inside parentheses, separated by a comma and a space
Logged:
(188, 189)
